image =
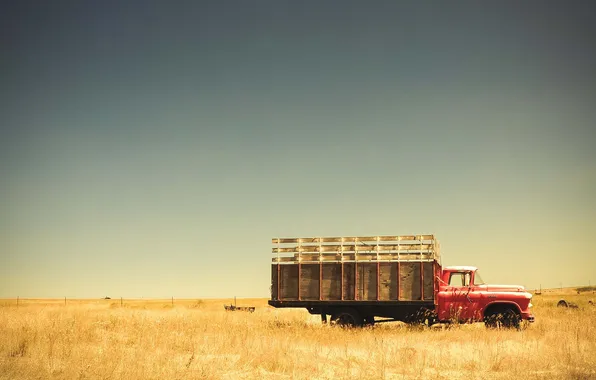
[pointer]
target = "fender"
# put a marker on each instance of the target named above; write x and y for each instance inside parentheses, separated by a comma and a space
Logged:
(501, 302)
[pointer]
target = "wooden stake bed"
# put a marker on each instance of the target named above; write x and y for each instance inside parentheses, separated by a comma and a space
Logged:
(357, 268)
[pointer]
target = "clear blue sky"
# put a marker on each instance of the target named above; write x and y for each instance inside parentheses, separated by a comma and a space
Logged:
(153, 149)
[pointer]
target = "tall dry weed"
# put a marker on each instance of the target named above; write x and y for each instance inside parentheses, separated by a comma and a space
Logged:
(199, 340)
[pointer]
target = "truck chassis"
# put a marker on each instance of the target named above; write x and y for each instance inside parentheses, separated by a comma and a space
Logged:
(364, 312)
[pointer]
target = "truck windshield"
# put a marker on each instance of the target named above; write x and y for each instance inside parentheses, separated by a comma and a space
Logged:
(478, 279)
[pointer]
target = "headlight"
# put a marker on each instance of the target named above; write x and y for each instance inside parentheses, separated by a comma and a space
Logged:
(530, 305)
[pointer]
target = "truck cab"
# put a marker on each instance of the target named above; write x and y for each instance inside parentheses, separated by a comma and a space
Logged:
(464, 297)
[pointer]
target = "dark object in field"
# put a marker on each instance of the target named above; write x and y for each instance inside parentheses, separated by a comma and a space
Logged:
(233, 307)
(107, 298)
(583, 289)
(563, 303)
(250, 309)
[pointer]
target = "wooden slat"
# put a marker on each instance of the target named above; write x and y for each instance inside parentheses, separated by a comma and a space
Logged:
(353, 248)
(289, 282)
(410, 281)
(367, 282)
(352, 239)
(349, 278)
(429, 281)
(274, 282)
(388, 281)
(352, 257)
(309, 282)
(331, 284)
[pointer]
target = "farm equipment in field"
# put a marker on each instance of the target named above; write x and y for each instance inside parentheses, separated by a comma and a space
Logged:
(250, 309)
(233, 307)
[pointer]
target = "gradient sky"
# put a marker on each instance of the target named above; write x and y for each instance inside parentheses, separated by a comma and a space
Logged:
(153, 149)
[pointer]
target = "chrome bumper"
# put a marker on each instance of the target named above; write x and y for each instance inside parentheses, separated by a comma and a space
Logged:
(528, 317)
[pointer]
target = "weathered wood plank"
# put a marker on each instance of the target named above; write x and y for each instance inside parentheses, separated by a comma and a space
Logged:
(428, 280)
(352, 257)
(274, 282)
(331, 286)
(388, 281)
(349, 277)
(355, 248)
(309, 282)
(410, 281)
(351, 239)
(367, 281)
(289, 282)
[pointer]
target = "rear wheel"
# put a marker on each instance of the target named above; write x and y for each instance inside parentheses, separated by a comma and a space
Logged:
(346, 318)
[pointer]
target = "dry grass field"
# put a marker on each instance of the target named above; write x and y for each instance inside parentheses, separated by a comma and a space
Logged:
(99, 339)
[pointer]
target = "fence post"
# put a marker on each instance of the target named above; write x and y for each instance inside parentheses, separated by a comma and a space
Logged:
(172, 300)
(120, 301)
(65, 301)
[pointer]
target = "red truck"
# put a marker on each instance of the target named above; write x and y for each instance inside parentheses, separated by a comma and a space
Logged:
(365, 280)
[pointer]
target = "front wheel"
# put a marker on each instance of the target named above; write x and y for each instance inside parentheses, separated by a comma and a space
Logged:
(507, 318)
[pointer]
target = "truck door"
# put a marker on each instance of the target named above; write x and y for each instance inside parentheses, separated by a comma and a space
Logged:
(460, 304)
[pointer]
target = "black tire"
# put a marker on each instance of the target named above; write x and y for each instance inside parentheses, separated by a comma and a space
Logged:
(504, 318)
(347, 318)
(511, 320)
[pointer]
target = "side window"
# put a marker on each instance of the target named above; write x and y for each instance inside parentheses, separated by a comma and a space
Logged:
(459, 279)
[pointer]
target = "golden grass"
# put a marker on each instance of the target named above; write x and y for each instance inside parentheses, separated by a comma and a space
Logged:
(99, 339)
